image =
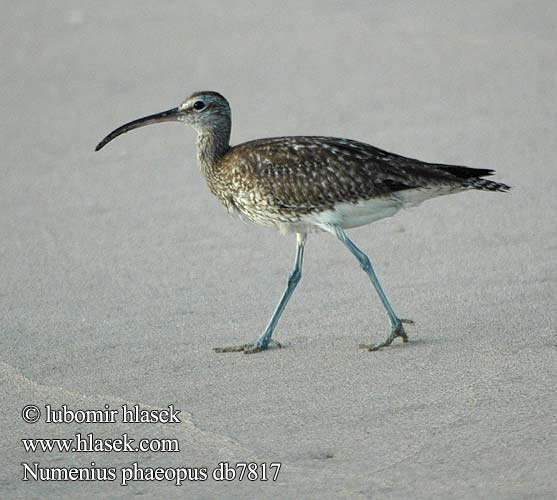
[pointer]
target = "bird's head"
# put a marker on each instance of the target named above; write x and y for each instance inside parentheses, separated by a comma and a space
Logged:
(207, 112)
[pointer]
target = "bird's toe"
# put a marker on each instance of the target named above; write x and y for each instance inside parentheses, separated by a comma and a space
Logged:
(249, 348)
(234, 348)
(396, 331)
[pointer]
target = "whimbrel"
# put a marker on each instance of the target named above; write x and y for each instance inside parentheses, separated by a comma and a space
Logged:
(303, 184)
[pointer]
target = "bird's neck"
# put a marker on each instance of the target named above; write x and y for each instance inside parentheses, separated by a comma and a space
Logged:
(212, 145)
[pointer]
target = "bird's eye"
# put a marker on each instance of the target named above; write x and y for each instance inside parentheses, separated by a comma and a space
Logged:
(198, 105)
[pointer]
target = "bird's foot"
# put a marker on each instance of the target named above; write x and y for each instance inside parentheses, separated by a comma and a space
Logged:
(251, 348)
(396, 331)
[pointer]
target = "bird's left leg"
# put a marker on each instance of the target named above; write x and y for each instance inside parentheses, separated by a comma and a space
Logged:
(397, 330)
(263, 342)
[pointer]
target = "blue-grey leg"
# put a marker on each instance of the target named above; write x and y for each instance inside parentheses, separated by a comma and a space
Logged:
(397, 330)
(263, 342)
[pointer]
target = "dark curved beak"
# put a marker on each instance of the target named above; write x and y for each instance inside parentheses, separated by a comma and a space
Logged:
(172, 115)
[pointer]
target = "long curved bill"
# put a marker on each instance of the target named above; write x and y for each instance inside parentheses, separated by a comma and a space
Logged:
(171, 115)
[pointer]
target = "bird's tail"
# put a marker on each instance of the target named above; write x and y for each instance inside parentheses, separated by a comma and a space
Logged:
(486, 185)
(473, 178)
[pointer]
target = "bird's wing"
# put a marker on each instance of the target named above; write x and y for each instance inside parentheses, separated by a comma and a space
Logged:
(314, 173)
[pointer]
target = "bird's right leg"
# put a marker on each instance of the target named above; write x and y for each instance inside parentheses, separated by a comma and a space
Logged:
(397, 330)
(262, 343)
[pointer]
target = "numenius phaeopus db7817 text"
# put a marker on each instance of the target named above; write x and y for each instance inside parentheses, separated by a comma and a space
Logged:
(305, 184)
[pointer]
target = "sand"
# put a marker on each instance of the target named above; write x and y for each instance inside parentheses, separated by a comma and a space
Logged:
(120, 272)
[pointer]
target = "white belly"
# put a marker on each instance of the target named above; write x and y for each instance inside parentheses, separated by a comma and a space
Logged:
(349, 215)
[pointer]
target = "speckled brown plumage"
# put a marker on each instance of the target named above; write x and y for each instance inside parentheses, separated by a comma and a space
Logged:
(288, 177)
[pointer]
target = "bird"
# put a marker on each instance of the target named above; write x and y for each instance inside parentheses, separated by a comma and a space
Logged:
(306, 184)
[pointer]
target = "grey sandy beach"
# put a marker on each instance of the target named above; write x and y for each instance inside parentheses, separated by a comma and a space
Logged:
(119, 272)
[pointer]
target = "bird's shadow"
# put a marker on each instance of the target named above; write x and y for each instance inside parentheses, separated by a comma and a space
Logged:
(421, 342)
